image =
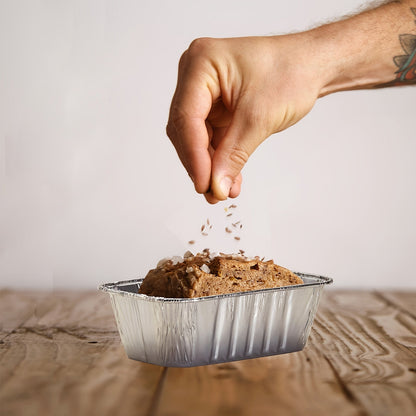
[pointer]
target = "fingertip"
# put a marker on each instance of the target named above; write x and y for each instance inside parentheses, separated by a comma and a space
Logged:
(235, 191)
(200, 187)
(236, 187)
(201, 174)
(211, 198)
(221, 186)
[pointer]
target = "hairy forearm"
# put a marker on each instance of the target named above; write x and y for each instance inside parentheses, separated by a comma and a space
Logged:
(234, 93)
(376, 48)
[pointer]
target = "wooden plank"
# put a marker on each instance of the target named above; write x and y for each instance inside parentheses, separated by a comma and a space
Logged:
(47, 368)
(67, 376)
(16, 307)
(404, 301)
(73, 311)
(291, 384)
(371, 346)
(62, 355)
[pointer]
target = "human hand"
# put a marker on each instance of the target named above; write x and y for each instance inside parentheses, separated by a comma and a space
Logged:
(234, 93)
(231, 95)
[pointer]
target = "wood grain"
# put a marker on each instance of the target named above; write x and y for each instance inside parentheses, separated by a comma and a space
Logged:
(371, 347)
(66, 359)
(403, 301)
(291, 384)
(60, 354)
(16, 308)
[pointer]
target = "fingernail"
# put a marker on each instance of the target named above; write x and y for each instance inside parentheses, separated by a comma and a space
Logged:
(225, 186)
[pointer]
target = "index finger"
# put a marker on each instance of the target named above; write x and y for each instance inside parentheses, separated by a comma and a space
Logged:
(186, 127)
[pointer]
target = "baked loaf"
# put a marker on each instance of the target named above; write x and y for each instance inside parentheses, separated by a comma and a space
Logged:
(204, 274)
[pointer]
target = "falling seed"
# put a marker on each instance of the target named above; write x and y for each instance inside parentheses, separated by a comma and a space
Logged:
(202, 228)
(229, 215)
(228, 230)
(237, 238)
(241, 252)
(205, 234)
(232, 206)
(210, 226)
(241, 226)
(225, 209)
(191, 242)
(208, 221)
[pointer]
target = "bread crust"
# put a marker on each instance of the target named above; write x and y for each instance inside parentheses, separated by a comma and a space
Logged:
(205, 275)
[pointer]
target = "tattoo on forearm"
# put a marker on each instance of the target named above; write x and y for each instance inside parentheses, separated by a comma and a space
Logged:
(406, 64)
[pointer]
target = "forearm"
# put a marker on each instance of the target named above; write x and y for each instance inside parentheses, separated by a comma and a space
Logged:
(373, 49)
(234, 93)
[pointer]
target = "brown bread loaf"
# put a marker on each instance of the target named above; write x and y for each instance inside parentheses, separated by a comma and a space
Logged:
(206, 275)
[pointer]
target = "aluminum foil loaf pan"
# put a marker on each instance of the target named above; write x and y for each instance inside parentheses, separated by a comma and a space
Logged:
(214, 329)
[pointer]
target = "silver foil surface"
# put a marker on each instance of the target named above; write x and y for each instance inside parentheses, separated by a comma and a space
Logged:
(214, 329)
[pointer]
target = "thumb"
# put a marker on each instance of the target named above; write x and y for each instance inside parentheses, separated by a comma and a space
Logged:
(245, 133)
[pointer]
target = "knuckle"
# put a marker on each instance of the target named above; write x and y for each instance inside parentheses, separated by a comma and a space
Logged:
(238, 157)
(170, 130)
(176, 123)
(200, 46)
(182, 60)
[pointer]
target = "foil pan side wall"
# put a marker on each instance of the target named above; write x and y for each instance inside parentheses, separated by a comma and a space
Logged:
(215, 330)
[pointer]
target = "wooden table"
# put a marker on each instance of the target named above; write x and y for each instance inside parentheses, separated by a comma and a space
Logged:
(60, 354)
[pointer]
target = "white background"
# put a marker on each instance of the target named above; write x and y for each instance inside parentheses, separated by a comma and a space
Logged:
(92, 191)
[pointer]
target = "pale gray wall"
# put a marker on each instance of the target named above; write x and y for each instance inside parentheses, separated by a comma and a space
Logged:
(92, 191)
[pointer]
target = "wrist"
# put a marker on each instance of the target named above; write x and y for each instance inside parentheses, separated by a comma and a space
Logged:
(349, 65)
